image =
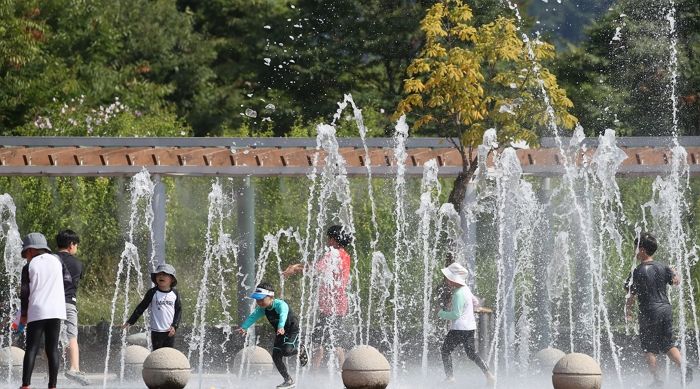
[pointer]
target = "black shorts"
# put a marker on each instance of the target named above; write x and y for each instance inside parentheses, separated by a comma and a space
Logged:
(331, 331)
(161, 339)
(656, 332)
(287, 344)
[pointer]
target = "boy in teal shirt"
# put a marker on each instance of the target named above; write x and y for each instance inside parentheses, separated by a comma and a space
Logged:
(285, 323)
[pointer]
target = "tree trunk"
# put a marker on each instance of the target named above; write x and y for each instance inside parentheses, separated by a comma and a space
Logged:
(456, 198)
(459, 190)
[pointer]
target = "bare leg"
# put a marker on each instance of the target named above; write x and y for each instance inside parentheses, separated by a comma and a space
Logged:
(317, 358)
(675, 355)
(74, 354)
(651, 362)
(340, 354)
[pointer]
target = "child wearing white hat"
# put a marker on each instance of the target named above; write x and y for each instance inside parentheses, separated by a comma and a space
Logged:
(461, 314)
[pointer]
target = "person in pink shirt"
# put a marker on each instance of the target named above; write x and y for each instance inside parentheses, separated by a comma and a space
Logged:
(333, 272)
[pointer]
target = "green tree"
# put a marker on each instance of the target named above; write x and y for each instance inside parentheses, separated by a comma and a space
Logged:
(324, 49)
(237, 30)
(469, 78)
(564, 22)
(144, 53)
(619, 78)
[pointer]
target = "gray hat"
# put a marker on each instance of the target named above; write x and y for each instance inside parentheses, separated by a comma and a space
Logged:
(34, 240)
(167, 269)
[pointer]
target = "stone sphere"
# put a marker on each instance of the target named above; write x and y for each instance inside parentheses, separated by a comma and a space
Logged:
(256, 360)
(133, 360)
(13, 356)
(166, 368)
(577, 371)
(140, 339)
(366, 368)
(545, 359)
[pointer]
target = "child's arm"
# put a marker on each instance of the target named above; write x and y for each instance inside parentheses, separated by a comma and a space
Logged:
(283, 310)
(141, 308)
(629, 306)
(178, 310)
(293, 269)
(177, 315)
(24, 294)
(457, 308)
(252, 318)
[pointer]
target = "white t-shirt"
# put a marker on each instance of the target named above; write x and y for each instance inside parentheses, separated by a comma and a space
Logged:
(461, 310)
(162, 310)
(46, 299)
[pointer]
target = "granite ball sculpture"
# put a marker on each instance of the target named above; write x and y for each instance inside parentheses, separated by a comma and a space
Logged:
(545, 359)
(166, 368)
(134, 358)
(257, 360)
(366, 368)
(12, 358)
(577, 371)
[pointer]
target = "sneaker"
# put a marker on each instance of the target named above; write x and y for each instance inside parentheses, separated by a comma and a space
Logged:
(449, 380)
(77, 376)
(490, 381)
(303, 356)
(288, 383)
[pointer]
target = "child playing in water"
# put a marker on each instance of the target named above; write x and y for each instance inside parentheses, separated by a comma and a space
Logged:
(648, 284)
(285, 323)
(333, 273)
(461, 314)
(163, 304)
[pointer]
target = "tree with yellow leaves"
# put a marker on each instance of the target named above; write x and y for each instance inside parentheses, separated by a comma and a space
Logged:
(468, 78)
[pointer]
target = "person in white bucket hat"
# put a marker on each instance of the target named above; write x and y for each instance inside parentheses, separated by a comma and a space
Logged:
(461, 314)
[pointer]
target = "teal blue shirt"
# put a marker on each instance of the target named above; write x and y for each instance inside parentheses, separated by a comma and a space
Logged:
(461, 311)
(279, 307)
(458, 300)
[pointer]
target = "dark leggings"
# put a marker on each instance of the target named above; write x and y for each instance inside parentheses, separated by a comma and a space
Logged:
(50, 330)
(453, 339)
(285, 346)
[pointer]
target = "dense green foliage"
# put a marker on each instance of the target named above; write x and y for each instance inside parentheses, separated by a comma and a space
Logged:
(198, 66)
(620, 77)
(564, 22)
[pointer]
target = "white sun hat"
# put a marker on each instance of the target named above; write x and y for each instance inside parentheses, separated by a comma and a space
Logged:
(456, 273)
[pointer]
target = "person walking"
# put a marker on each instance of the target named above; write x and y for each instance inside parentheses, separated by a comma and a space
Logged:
(67, 243)
(333, 273)
(463, 325)
(648, 284)
(42, 305)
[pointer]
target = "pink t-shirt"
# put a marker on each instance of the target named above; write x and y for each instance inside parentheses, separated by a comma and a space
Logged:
(333, 270)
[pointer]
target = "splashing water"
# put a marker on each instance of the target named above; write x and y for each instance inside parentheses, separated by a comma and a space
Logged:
(141, 217)
(668, 206)
(12, 266)
(219, 258)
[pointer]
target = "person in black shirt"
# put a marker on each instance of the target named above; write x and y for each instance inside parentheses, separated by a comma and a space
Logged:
(67, 242)
(647, 284)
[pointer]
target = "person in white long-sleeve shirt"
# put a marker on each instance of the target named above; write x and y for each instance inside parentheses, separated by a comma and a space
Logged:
(42, 304)
(461, 314)
(163, 304)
